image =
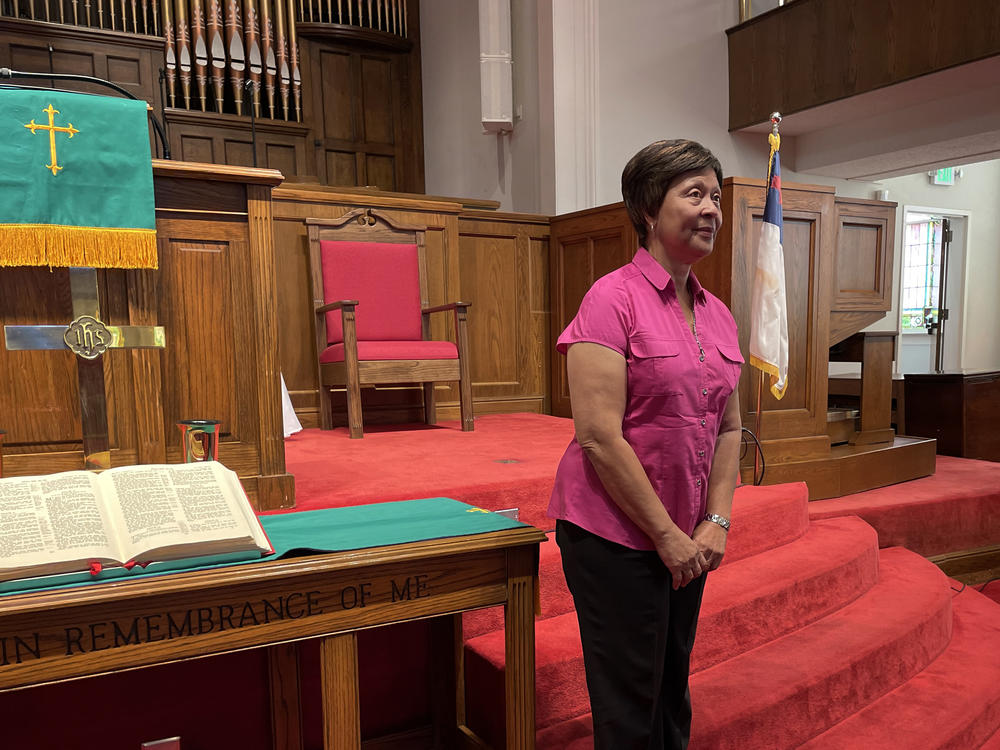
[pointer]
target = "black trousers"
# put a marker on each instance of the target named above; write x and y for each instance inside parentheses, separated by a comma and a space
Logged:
(637, 635)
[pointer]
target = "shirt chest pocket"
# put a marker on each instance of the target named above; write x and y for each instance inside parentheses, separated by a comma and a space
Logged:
(731, 364)
(654, 367)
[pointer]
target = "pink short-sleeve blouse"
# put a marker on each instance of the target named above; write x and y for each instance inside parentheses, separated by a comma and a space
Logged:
(677, 393)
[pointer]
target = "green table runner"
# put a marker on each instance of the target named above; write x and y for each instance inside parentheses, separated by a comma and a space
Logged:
(315, 532)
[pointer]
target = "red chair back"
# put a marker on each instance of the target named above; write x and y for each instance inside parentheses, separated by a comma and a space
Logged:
(385, 280)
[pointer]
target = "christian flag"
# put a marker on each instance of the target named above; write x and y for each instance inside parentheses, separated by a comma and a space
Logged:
(768, 316)
(76, 181)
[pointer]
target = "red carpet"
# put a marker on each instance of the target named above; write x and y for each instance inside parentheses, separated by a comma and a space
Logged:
(809, 634)
(507, 461)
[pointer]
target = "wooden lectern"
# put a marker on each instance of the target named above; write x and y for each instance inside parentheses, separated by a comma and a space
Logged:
(214, 294)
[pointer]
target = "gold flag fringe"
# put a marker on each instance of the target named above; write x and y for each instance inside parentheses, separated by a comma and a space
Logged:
(95, 247)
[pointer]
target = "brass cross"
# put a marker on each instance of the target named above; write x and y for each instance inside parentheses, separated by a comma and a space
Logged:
(53, 129)
(88, 338)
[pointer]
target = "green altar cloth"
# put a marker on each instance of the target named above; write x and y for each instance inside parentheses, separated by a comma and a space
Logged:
(76, 181)
(314, 532)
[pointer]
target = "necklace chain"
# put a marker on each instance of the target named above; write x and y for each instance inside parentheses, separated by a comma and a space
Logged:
(694, 330)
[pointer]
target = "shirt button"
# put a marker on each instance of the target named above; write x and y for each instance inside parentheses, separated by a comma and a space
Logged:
(698, 483)
(701, 358)
(703, 423)
(704, 391)
(701, 453)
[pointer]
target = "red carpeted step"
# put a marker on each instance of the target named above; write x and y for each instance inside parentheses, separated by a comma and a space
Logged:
(954, 509)
(766, 517)
(953, 704)
(791, 689)
(560, 683)
(555, 597)
(576, 733)
(993, 743)
(835, 562)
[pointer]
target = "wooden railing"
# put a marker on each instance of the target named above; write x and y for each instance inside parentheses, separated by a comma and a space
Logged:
(131, 16)
(379, 15)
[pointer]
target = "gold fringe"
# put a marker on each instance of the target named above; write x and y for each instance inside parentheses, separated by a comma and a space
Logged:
(94, 247)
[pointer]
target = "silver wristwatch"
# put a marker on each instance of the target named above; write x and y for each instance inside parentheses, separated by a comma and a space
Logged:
(716, 518)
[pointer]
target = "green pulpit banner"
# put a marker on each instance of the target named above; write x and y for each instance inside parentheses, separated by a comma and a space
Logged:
(76, 181)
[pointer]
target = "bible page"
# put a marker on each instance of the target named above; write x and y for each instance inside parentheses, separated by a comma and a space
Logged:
(198, 506)
(47, 520)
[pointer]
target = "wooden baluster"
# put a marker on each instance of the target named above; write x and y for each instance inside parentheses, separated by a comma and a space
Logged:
(156, 18)
(100, 14)
(124, 10)
(111, 13)
(135, 18)
(76, 12)
(237, 63)
(293, 64)
(62, 11)
(200, 51)
(216, 52)
(182, 37)
(253, 52)
(281, 42)
(170, 55)
(267, 42)
(145, 17)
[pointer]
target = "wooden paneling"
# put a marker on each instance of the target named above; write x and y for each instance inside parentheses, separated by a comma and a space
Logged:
(227, 139)
(504, 274)
(960, 409)
(810, 53)
(863, 279)
(213, 294)
(368, 129)
(585, 246)
(130, 61)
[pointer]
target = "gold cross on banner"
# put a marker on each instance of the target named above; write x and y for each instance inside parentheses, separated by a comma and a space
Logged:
(53, 129)
(88, 338)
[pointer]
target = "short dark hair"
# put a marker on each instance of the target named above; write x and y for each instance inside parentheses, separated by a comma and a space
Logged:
(648, 174)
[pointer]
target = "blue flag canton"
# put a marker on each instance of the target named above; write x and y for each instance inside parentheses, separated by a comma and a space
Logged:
(772, 204)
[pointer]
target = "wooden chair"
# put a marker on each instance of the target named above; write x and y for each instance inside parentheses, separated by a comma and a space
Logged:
(372, 320)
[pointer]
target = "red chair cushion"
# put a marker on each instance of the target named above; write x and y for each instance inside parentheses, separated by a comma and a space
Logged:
(382, 350)
(384, 278)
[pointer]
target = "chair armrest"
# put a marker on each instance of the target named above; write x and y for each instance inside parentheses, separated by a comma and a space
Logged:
(346, 304)
(462, 306)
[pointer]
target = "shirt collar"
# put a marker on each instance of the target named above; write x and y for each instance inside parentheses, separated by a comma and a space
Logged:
(657, 275)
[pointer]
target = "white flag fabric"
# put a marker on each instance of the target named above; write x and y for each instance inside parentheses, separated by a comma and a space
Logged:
(768, 314)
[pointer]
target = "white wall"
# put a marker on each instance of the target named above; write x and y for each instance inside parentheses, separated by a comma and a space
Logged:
(459, 158)
(977, 192)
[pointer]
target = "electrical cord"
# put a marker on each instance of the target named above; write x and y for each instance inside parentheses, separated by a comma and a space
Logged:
(759, 451)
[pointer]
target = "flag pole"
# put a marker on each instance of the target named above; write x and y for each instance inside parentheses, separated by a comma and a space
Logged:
(775, 120)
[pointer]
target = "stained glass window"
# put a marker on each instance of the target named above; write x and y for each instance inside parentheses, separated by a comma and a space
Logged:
(921, 270)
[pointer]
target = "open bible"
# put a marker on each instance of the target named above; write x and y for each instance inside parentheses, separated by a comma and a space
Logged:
(78, 520)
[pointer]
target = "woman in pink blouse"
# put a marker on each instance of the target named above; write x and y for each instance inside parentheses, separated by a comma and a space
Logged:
(643, 494)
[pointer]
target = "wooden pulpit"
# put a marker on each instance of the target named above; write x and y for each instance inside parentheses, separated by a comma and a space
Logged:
(214, 295)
